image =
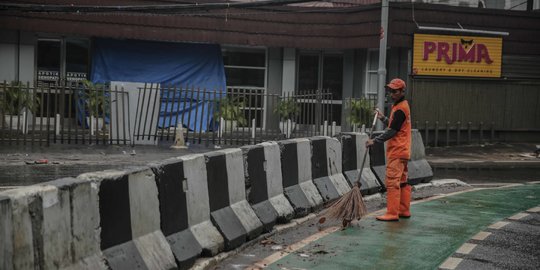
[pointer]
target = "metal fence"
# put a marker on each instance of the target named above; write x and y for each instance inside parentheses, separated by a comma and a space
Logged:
(75, 113)
(238, 116)
(66, 113)
(437, 134)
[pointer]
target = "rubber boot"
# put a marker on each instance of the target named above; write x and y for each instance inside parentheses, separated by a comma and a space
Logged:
(405, 203)
(392, 206)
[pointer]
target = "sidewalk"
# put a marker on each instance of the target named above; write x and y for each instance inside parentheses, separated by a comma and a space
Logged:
(506, 162)
(500, 162)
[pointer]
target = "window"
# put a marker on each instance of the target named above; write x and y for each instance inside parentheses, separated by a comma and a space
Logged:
(245, 72)
(372, 65)
(323, 71)
(60, 59)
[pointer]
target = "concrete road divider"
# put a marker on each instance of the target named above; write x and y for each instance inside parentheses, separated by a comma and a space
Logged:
(50, 226)
(326, 167)
(265, 188)
(377, 158)
(419, 169)
(6, 233)
(353, 150)
(185, 208)
(229, 210)
(130, 236)
(70, 219)
(296, 174)
(21, 208)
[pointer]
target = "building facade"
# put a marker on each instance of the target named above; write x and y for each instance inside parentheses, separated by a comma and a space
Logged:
(288, 49)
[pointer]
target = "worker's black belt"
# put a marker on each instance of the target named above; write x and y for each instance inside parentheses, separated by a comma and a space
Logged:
(404, 184)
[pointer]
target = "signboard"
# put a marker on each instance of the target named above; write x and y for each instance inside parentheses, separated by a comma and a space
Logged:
(444, 55)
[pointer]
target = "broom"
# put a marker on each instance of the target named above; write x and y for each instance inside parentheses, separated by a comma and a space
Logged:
(350, 206)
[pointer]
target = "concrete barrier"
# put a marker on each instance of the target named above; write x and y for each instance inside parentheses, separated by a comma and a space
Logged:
(185, 208)
(265, 188)
(229, 210)
(353, 150)
(130, 235)
(6, 236)
(51, 226)
(21, 208)
(419, 169)
(326, 168)
(70, 219)
(377, 158)
(296, 174)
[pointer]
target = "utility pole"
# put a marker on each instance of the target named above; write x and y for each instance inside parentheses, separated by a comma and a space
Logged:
(381, 72)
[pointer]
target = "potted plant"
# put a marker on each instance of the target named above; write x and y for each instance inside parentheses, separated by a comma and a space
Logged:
(360, 111)
(97, 105)
(287, 109)
(230, 109)
(15, 102)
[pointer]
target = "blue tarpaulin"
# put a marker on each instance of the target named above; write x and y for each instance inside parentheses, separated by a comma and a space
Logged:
(178, 64)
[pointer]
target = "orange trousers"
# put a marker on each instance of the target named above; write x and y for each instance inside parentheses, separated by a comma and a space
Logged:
(398, 191)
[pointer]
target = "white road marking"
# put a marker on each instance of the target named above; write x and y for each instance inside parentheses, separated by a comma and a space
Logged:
(498, 225)
(450, 263)
(292, 248)
(518, 216)
(481, 236)
(466, 248)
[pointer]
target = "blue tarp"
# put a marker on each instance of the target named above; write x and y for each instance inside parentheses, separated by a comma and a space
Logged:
(178, 64)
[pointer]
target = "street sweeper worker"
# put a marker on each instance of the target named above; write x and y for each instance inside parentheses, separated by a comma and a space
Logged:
(398, 152)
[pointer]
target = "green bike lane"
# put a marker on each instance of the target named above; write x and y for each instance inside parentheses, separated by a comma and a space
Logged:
(436, 230)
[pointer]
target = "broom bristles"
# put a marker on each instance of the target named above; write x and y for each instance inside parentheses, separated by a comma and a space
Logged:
(349, 207)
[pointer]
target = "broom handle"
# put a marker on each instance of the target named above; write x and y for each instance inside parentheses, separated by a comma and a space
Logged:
(365, 153)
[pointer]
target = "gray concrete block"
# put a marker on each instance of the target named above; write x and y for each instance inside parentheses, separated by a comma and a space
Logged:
(124, 256)
(419, 172)
(185, 248)
(248, 218)
(326, 188)
(266, 214)
(25, 213)
(230, 227)
(155, 251)
(296, 171)
(6, 234)
(368, 181)
(129, 218)
(208, 237)
(56, 227)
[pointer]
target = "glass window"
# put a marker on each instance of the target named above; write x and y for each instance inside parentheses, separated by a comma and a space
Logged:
(245, 72)
(48, 60)
(333, 75)
(244, 77)
(320, 71)
(371, 72)
(49, 55)
(77, 52)
(308, 72)
(244, 58)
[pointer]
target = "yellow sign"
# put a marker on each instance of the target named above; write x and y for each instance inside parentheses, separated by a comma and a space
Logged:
(442, 55)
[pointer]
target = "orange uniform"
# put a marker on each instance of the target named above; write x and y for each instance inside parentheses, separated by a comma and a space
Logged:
(400, 145)
(398, 153)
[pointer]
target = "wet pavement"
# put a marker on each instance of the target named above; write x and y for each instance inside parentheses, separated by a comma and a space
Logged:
(18, 164)
(499, 162)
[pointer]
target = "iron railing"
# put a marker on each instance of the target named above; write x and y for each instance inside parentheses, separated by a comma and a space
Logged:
(72, 113)
(59, 113)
